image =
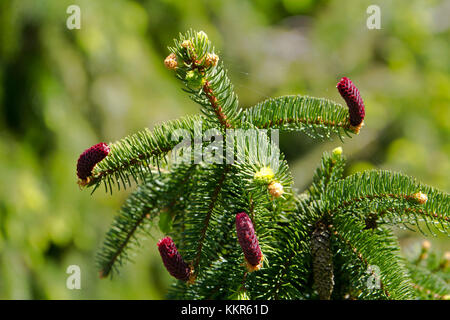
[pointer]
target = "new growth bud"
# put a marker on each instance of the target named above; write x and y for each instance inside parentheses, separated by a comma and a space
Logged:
(275, 189)
(337, 151)
(171, 61)
(211, 59)
(445, 263)
(249, 242)
(419, 197)
(187, 44)
(426, 245)
(173, 261)
(264, 175)
(194, 78)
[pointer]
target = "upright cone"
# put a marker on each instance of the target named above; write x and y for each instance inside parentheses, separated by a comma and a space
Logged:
(248, 241)
(89, 158)
(355, 103)
(173, 261)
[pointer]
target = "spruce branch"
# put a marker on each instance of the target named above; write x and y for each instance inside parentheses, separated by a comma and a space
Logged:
(316, 117)
(205, 78)
(428, 284)
(330, 170)
(211, 206)
(137, 216)
(373, 249)
(134, 156)
(377, 190)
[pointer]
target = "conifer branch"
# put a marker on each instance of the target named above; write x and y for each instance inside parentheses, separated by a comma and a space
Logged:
(135, 155)
(376, 191)
(374, 249)
(212, 204)
(316, 117)
(330, 170)
(206, 79)
(137, 215)
(428, 284)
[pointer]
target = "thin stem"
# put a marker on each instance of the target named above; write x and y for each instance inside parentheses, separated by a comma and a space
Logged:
(212, 204)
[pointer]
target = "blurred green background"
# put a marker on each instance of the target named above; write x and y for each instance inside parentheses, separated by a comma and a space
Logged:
(62, 91)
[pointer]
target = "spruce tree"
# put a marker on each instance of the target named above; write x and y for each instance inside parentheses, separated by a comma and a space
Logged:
(235, 226)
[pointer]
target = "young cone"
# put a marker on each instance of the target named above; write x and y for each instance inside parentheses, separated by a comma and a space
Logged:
(173, 261)
(355, 104)
(249, 242)
(89, 158)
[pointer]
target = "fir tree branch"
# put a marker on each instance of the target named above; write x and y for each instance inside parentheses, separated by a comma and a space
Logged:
(427, 283)
(316, 117)
(376, 191)
(135, 155)
(137, 214)
(206, 79)
(212, 204)
(373, 249)
(330, 170)
(288, 273)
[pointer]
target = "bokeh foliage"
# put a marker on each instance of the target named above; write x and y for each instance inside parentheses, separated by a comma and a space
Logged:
(63, 90)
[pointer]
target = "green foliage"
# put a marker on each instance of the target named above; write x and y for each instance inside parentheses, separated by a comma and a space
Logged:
(430, 273)
(162, 193)
(328, 242)
(135, 155)
(211, 88)
(389, 197)
(316, 117)
(62, 90)
(365, 248)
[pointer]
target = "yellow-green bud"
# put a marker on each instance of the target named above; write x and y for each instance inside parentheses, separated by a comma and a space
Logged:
(337, 151)
(194, 78)
(265, 175)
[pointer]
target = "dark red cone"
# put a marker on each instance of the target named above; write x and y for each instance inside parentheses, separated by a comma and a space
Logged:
(352, 97)
(248, 241)
(172, 260)
(89, 158)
